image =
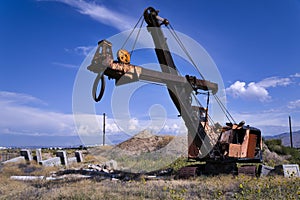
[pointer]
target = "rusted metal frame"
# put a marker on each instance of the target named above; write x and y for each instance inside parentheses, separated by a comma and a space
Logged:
(179, 95)
(117, 70)
(202, 84)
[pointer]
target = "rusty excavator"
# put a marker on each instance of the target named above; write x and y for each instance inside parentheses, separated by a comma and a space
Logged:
(221, 148)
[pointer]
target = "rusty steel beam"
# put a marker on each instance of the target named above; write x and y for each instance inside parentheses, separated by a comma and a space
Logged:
(133, 73)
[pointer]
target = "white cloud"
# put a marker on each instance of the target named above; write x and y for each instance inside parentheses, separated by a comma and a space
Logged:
(256, 90)
(18, 98)
(80, 50)
(274, 82)
(92, 125)
(101, 14)
(20, 115)
(133, 124)
(250, 91)
(297, 75)
(174, 126)
(83, 50)
(271, 122)
(65, 65)
(294, 104)
(26, 115)
(23, 114)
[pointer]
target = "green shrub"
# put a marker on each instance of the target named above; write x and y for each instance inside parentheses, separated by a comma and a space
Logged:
(273, 142)
(277, 147)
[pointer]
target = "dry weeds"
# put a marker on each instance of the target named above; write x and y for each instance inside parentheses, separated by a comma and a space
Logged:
(204, 187)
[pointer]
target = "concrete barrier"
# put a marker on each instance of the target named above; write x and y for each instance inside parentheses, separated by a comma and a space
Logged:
(15, 160)
(291, 170)
(72, 160)
(112, 164)
(51, 162)
(265, 170)
(27, 154)
(63, 157)
(60, 159)
(78, 155)
(38, 153)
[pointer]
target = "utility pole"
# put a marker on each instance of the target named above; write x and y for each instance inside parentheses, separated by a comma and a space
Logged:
(103, 129)
(291, 133)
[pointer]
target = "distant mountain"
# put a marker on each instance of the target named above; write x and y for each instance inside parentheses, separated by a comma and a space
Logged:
(10, 140)
(285, 138)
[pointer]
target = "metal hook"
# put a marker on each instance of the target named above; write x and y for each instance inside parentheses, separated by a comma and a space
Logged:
(96, 82)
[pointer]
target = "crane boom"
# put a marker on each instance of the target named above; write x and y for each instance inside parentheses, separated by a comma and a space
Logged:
(234, 142)
(179, 95)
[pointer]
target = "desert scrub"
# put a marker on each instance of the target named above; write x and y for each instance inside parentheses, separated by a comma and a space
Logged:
(11, 169)
(276, 146)
(23, 169)
(272, 187)
(202, 187)
(221, 187)
(180, 163)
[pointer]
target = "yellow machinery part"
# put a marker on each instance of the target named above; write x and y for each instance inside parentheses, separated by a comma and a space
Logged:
(123, 56)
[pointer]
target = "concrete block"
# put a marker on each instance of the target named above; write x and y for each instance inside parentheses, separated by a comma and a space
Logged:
(15, 160)
(264, 170)
(51, 162)
(78, 155)
(27, 178)
(112, 164)
(72, 160)
(63, 157)
(38, 153)
(288, 170)
(291, 170)
(27, 154)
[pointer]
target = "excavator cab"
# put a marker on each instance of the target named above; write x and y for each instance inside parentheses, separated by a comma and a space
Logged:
(240, 142)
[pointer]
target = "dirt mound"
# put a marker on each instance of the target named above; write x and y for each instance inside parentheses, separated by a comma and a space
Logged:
(145, 142)
(145, 152)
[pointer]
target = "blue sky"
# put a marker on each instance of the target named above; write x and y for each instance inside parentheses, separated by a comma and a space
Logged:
(255, 45)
